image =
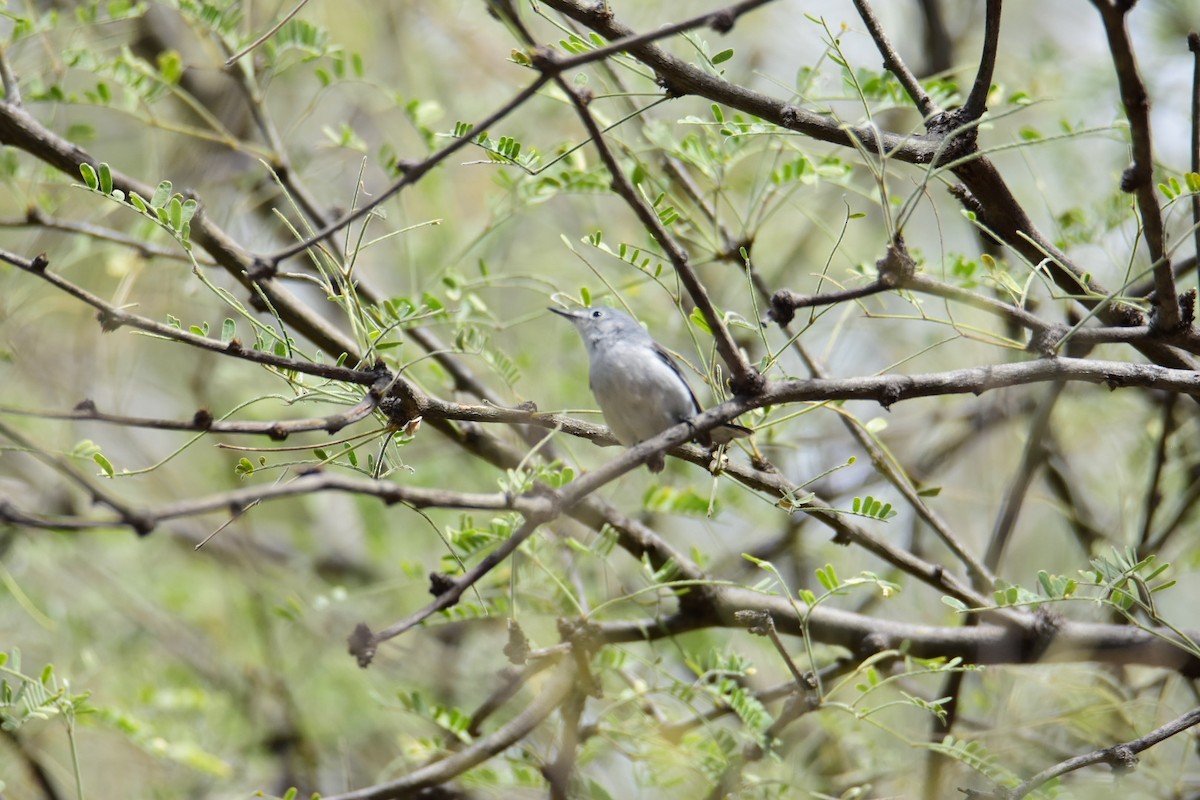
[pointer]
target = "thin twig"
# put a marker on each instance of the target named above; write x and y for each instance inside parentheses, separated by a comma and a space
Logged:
(1154, 488)
(140, 524)
(550, 696)
(1193, 41)
(12, 89)
(1139, 177)
(1119, 756)
(894, 64)
(233, 59)
(1032, 458)
(976, 103)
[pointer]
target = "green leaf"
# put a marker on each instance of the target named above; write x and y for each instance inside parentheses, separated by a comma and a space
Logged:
(161, 195)
(228, 330)
(955, 603)
(170, 66)
(697, 319)
(190, 206)
(105, 175)
(722, 56)
(89, 175)
(104, 464)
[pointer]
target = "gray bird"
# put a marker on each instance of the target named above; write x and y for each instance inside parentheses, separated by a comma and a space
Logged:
(636, 381)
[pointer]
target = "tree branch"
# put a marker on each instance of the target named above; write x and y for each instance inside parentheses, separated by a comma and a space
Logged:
(1139, 177)
(1121, 757)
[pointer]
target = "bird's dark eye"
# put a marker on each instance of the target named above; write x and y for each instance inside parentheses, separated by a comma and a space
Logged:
(597, 314)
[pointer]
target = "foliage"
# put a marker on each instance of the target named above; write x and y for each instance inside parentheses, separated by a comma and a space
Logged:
(328, 399)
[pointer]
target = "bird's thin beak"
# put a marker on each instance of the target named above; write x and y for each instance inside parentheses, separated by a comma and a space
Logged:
(572, 315)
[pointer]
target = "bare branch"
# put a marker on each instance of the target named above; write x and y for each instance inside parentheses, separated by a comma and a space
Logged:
(894, 64)
(12, 89)
(1032, 458)
(1120, 757)
(1139, 177)
(1193, 41)
(976, 103)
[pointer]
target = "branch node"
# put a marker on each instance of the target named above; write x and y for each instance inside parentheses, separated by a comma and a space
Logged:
(870, 645)
(362, 645)
(789, 116)
(262, 269)
(671, 89)
(1187, 308)
(544, 60)
(440, 583)
(141, 525)
(722, 21)
(783, 307)
(756, 622)
(897, 265)
(109, 321)
(1123, 759)
(39, 264)
(202, 419)
(890, 395)
(517, 649)
(1044, 341)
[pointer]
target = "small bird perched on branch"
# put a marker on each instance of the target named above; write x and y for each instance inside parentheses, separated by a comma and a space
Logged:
(637, 383)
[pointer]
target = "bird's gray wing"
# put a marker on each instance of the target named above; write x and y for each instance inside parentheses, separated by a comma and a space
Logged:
(669, 360)
(722, 434)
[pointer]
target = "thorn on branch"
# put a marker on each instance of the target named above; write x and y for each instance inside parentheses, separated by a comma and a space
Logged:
(39, 264)
(85, 406)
